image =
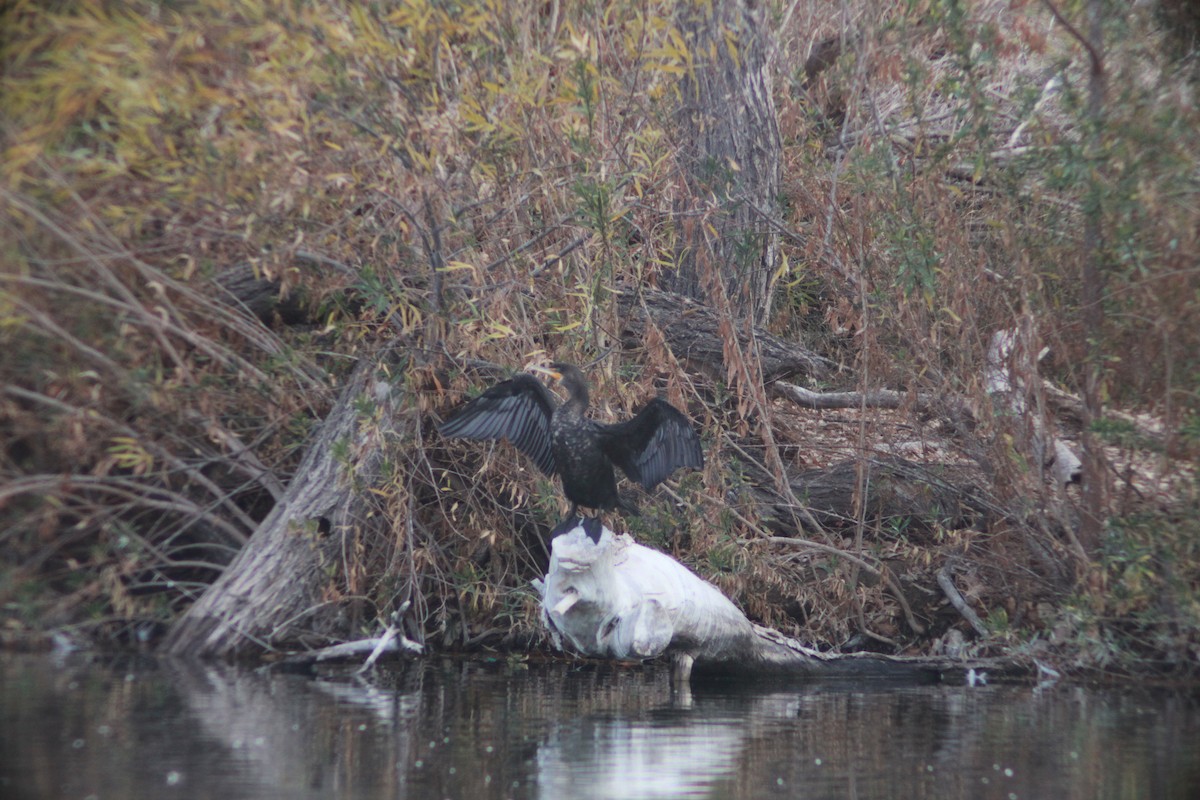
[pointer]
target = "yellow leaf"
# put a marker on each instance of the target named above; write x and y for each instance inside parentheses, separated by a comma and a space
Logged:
(499, 329)
(284, 128)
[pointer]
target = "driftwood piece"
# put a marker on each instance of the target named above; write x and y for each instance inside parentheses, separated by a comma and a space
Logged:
(946, 581)
(276, 579)
(954, 410)
(1011, 377)
(393, 640)
(607, 596)
(880, 398)
(693, 332)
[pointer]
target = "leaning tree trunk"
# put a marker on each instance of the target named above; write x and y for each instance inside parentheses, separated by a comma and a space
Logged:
(729, 152)
(275, 590)
(1095, 466)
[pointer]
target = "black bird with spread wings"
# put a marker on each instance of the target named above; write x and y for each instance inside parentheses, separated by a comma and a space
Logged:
(562, 441)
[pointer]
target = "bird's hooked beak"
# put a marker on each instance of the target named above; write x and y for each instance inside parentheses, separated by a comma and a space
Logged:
(547, 371)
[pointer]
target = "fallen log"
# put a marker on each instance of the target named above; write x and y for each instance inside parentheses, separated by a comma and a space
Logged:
(693, 332)
(923, 497)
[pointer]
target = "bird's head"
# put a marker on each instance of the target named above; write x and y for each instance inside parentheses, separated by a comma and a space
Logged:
(569, 377)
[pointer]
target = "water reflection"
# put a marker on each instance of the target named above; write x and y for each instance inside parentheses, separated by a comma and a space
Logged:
(445, 728)
(669, 755)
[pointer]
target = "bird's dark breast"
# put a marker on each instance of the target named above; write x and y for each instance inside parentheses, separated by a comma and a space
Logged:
(586, 473)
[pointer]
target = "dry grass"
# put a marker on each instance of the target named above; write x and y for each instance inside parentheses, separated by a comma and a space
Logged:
(458, 196)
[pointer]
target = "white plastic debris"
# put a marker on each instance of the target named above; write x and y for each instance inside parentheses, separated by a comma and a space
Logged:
(614, 598)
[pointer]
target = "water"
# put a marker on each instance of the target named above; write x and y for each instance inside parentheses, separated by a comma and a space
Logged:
(135, 729)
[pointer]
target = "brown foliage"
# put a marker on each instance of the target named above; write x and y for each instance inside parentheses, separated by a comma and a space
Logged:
(210, 211)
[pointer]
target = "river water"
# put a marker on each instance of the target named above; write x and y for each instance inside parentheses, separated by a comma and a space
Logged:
(133, 728)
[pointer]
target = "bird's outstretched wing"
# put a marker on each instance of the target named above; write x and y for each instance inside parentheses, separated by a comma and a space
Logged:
(518, 409)
(652, 445)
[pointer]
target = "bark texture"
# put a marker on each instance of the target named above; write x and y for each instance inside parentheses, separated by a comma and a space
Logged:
(275, 586)
(921, 496)
(729, 152)
(693, 332)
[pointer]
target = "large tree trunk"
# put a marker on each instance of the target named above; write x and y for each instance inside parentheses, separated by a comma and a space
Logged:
(729, 151)
(276, 588)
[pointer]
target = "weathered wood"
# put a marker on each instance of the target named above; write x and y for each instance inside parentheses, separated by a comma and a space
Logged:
(248, 290)
(1012, 380)
(729, 150)
(693, 332)
(880, 398)
(946, 581)
(273, 588)
(916, 497)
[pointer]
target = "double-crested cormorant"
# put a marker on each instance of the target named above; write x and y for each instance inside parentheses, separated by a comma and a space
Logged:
(562, 441)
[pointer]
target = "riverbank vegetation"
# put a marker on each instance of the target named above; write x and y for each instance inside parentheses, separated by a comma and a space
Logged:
(224, 221)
